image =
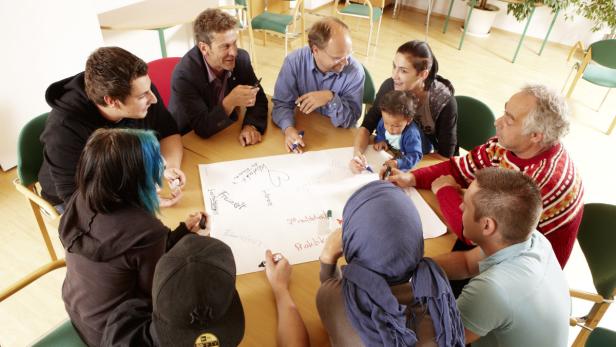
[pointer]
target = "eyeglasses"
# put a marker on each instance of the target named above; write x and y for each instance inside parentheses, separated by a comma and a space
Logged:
(337, 60)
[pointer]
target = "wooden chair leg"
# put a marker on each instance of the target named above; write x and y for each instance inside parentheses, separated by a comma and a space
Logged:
(578, 75)
(580, 72)
(251, 43)
(605, 97)
(369, 39)
(378, 32)
(611, 128)
(43, 229)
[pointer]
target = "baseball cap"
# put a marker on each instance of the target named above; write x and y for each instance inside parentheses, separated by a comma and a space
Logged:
(194, 299)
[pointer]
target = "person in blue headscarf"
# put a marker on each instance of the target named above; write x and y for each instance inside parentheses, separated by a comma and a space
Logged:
(388, 294)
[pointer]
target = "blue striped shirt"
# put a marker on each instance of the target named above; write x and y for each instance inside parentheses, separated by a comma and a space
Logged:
(299, 75)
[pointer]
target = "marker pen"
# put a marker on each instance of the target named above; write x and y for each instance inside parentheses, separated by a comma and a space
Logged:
(387, 172)
(367, 167)
(203, 222)
(329, 219)
(296, 143)
(256, 85)
(277, 258)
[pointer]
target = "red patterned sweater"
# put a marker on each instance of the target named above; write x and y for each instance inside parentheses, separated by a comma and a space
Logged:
(553, 171)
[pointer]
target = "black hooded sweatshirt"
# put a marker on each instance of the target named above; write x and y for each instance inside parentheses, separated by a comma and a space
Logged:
(73, 118)
(110, 258)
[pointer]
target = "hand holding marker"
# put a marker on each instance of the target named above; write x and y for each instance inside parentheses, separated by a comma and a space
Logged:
(364, 164)
(296, 142)
(330, 220)
(277, 258)
(387, 172)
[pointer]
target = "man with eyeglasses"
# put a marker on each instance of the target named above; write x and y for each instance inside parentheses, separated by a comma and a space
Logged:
(320, 77)
(214, 79)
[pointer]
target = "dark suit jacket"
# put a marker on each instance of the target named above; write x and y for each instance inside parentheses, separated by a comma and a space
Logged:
(191, 92)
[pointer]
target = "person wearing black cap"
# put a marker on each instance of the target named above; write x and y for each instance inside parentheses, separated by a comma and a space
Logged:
(194, 301)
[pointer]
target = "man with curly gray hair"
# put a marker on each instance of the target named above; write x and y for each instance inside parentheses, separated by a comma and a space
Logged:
(527, 139)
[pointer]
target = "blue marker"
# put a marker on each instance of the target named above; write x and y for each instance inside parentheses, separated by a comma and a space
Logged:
(296, 143)
(367, 167)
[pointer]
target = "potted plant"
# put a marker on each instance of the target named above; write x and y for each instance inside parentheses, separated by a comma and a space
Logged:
(481, 19)
(601, 12)
(521, 9)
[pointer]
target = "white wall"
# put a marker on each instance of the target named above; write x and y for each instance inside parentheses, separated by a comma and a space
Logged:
(42, 42)
(566, 32)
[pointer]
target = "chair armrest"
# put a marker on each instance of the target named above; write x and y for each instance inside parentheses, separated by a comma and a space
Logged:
(367, 2)
(31, 277)
(586, 296)
(577, 46)
(42, 203)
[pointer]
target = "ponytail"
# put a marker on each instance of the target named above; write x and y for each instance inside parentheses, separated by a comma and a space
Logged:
(431, 75)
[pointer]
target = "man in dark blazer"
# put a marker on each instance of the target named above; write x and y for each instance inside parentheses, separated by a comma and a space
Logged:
(214, 79)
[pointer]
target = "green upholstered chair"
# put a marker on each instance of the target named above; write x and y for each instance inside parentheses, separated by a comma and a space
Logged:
(597, 238)
(475, 122)
(369, 92)
(29, 161)
(601, 337)
(598, 66)
(280, 24)
(62, 336)
(366, 11)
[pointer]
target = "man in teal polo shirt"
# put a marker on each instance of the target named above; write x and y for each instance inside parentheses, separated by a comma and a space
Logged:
(518, 295)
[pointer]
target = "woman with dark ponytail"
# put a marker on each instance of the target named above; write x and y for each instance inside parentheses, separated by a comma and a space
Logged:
(415, 69)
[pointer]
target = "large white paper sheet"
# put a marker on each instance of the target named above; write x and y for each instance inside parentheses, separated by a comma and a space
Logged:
(281, 202)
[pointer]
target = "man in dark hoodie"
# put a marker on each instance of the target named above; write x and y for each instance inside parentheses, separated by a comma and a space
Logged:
(194, 301)
(201, 271)
(214, 79)
(114, 91)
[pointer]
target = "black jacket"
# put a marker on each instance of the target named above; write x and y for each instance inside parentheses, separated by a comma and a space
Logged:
(444, 139)
(191, 95)
(73, 118)
(130, 324)
(110, 258)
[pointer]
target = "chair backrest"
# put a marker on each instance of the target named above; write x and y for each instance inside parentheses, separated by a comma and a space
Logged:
(604, 53)
(597, 239)
(160, 72)
(601, 337)
(368, 88)
(475, 122)
(30, 150)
